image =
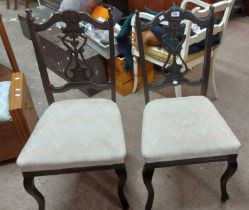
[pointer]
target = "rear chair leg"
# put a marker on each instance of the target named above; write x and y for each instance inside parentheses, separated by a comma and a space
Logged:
(122, 177)
(231, 169)
(147, 178)
(29, 186)
(135, 73)
(213, 76)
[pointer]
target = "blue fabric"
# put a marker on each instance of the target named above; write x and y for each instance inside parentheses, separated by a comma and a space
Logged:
(124, 43)
(194, 48)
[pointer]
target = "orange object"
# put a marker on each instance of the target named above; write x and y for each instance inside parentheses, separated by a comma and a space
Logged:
(125, 80)
(100, 13)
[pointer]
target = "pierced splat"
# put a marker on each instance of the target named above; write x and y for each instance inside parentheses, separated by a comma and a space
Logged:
(77, 71)
(75, 48)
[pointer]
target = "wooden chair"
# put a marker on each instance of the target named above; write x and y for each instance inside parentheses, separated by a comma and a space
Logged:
(184, 130)
(26, 3)
(74, 136)
(16, 131)
(157, 55)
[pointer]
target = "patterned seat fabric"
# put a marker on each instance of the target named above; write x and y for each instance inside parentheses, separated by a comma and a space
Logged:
(185, 128)
(4, 101)
(75, 133)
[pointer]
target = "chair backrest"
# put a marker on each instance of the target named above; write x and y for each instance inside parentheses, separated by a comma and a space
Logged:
(77, 71)
(174, 23)
(222, 9)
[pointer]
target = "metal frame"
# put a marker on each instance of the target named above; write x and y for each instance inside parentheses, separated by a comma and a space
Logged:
(175, 75)
(79, 75)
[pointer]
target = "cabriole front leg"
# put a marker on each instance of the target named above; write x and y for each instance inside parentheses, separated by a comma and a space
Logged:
(231, 169)
(147, 178)
(29, 186)
(122, 177)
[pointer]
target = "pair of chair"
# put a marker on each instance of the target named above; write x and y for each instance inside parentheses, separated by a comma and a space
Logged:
(87, 135)
(194, 35)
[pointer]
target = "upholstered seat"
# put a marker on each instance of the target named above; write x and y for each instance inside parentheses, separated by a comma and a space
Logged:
(185, 128)
(75, 133)
(4, 101)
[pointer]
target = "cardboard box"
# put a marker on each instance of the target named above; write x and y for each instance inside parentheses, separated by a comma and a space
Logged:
(125, 79)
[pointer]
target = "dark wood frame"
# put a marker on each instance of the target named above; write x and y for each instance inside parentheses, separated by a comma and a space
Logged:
(73, 31)
(30, 187)
(173, 73)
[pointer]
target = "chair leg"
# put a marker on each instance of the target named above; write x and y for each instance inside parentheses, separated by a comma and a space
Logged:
(147, 178)
(231, 169)
(7, 4)
(29, 186)
(178, 91)
(122, 176)
(16, 4)
(213, 76)
(26, 4)
(135, 72)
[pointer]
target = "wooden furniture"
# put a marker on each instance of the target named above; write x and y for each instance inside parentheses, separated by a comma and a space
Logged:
(125, 79)
(26, 3)
(74, 136)
(246, 3)
(157, 55)
(158, 5)
(8, 47)
(14, 133)
(239, 8)
(177, 131)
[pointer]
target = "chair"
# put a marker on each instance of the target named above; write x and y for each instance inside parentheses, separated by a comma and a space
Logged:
(157, 55)
(17, 113)
(184, 130)
(78, 135)
(26, 2)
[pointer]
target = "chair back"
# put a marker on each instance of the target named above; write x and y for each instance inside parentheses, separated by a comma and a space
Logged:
(73, 37)
(174, 21)
(222, 10)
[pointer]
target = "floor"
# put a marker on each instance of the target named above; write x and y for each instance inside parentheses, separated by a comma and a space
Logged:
(179, 188)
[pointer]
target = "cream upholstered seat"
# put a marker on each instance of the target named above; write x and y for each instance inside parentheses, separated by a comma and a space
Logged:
(185, 128)
(75, 133)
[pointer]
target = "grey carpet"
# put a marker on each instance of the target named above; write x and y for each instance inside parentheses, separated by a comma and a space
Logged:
(178, 188)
